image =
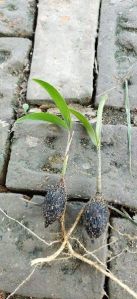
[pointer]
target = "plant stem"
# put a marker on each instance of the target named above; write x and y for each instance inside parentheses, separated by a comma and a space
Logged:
(65, 163)
(98, 183)
(127, 107)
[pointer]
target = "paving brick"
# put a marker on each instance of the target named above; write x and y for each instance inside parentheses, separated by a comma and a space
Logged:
(37, 153)
(13, 58)
(17, 17)
(63, 279)
(117, 51)
(124, 266)
(64, 49)
(14, 55)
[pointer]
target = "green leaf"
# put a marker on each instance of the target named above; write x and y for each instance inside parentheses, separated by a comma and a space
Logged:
(89, 128)
(58, 100)
(129, 128)
(125, 215)
(42, 116)
(99, 118)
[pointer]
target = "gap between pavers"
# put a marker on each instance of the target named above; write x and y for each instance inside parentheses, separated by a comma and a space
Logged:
(117, 51)
(65, 279)
(36, 158)
(64, 49)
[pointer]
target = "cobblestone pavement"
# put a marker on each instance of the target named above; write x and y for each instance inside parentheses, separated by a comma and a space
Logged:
(84, 48)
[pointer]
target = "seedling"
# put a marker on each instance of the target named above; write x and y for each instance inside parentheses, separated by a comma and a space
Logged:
(95, 223)
(55, 200)
(96, 211)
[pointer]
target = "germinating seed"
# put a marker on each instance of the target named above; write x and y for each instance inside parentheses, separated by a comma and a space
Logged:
(54, 203)
(95, 217)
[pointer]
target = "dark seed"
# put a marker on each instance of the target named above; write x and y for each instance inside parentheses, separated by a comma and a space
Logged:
(95, 217)
(54, 203)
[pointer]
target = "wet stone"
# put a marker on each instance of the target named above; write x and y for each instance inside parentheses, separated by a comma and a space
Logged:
(68, 279)
(66, 30)
(37, 155)
(124, 263)
(17, 17)
(117, 52)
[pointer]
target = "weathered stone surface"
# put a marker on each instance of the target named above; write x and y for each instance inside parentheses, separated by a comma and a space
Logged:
(124, 266)
(64, 49)
(13, 59)
(67, 279)
(17, 17)
(14, 55)
(117, 51)
(37, 154)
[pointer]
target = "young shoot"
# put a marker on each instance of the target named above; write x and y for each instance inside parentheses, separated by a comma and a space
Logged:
(96, 213)
(95, 135)
(55, 200)
(64, 121)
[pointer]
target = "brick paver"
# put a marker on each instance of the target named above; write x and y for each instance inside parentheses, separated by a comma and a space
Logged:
(13, 59)
(64, 49)
(60, 280)
(37, 153)
(117, 51)
(17, 17)
(124, 263)
(64, 52)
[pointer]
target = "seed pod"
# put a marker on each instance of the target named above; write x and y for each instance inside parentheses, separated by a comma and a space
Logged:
(95, 217)
(54, 203)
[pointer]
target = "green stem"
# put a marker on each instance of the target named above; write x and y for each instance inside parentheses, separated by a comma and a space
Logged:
(127, 107)
(65, 163)
(99, 183)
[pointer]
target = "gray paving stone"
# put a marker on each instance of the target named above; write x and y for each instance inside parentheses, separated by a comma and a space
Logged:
(124, 266)
(37, 153)
(64, 49)
(14, 55)
(17, 17)
(117, 51)
(13, 58)
(63, 279)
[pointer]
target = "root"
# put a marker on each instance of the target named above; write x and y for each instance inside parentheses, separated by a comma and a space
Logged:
(29, 230)
(64, 243)
(127, 236)
(22, 283)
(102, 270)
(98, 264)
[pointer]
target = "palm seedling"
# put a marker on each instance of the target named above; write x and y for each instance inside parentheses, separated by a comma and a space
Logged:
(96, 213)
(55, 199)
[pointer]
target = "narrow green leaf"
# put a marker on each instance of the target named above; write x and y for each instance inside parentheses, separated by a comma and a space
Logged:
(42, 116)
(125, 215)
(89, 128)
(129, 128)
(99, 118)
(58, 100)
